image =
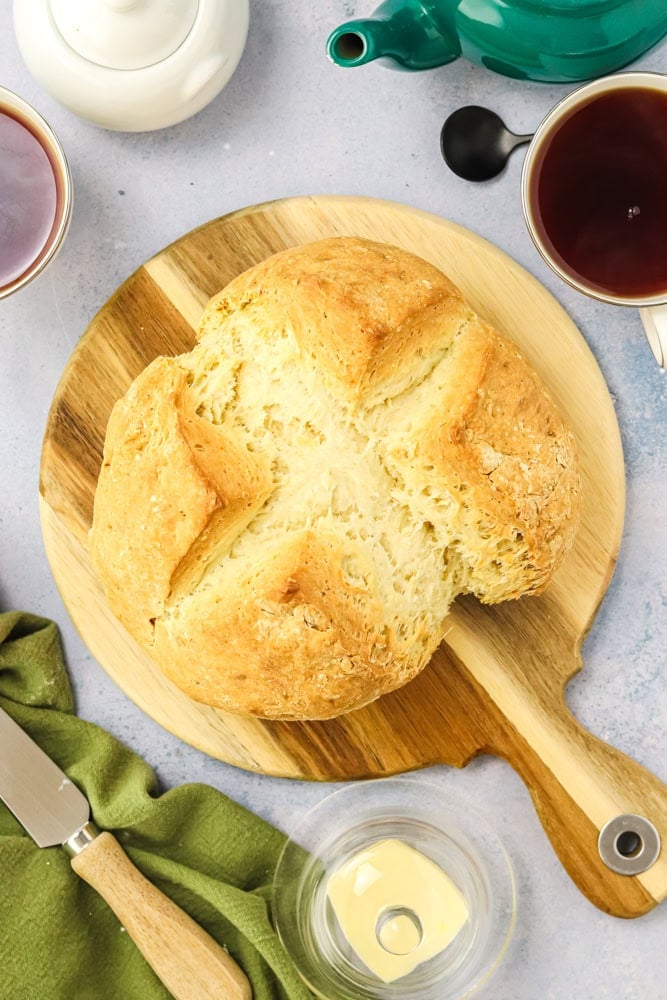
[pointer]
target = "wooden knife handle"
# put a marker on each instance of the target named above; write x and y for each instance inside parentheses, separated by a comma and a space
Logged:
(580, 786)
(183, 956)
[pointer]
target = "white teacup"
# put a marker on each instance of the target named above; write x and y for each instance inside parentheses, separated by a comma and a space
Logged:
(594, 193)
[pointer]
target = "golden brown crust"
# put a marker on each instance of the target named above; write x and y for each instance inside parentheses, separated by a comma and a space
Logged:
(360, 311)
(292, 642)
(169, 481)
(285, 514)
(504, 450)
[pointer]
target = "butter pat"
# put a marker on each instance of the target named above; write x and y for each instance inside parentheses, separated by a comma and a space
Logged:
(396, 907)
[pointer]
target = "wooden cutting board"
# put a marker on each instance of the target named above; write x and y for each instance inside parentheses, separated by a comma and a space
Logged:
(497, 683)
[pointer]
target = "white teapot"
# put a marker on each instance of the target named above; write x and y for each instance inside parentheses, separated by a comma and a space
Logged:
(132, 65)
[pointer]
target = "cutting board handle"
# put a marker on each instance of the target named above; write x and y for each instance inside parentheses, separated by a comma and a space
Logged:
(186, 959)
(605, 814)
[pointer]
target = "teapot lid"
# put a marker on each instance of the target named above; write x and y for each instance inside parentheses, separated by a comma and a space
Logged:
(132, 65)
(124, 34)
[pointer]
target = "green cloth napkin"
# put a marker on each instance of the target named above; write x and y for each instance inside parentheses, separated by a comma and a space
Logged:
(58, 939)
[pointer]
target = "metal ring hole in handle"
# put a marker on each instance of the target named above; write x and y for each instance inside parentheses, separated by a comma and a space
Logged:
(399, 930)
(629, 844)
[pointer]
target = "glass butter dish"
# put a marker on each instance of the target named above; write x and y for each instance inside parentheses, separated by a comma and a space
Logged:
(392, 889)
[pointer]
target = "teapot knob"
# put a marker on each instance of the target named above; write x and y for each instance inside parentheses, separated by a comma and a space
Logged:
(132, 65)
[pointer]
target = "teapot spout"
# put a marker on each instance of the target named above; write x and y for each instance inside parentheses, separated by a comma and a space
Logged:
(355, 43)
(402, 32)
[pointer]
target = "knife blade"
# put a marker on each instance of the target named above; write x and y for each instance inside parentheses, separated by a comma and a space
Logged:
(54, 811)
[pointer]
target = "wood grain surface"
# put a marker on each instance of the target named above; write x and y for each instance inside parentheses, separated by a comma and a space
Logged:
(496, 685)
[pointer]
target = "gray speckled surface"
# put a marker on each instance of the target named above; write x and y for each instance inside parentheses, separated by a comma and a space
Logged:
(291, 123)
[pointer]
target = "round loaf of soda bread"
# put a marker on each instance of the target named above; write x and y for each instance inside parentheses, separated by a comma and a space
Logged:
(284, 515)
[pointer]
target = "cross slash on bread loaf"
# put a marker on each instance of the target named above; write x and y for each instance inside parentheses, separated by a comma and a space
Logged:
(285, 514)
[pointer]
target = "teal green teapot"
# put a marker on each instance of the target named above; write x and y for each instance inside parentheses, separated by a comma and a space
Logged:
(549, 40)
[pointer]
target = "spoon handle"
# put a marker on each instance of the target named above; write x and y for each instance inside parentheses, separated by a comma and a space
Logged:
(517, 140)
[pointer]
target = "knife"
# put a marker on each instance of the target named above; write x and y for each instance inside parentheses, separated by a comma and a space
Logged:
(53, 811)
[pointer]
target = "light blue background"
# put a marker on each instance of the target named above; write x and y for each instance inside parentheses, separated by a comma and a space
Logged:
(291, 123)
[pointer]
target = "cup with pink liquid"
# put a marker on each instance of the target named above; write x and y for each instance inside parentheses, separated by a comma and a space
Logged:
(35, 193)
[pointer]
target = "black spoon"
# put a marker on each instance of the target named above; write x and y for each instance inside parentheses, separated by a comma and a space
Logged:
(476, 143)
